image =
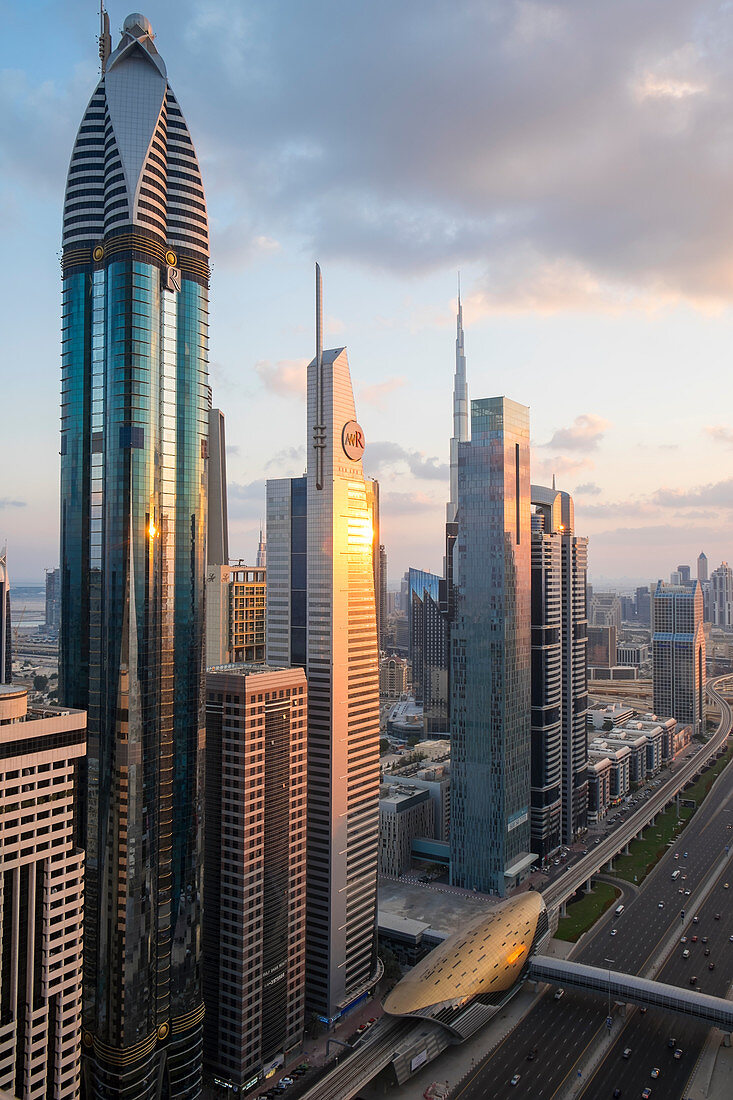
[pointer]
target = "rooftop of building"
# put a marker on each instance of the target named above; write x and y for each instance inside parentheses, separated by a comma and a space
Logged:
(393, 796)
(249, 668)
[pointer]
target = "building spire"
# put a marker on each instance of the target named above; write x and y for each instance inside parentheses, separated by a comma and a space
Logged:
(319, 428)
(105, 40)
(460, 410)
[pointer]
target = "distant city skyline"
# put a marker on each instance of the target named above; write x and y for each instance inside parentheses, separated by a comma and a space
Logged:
(566, 286)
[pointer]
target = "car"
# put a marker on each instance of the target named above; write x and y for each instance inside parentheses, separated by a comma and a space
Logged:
(287, 1081)
(660, 905)
(361, 1029)
(730, 939)
(559, 993)
(704, 939)
(695, 920)
(677, 855)
(717, 916)
(706, 952)
(726, 886)
(711, 966)
(685, 854)
(693, 979)
(515, 1079)
(686, 953)
(616, 1093)
(642, 1010)
(655, 1073)
(671, 1043)
(687, 893)
(614, 931)
(626, 1053)
(646, 1093)
(694, 939)
(677, 1054)
(684, 939)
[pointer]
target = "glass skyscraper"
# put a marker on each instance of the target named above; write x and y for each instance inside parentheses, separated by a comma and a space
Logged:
(428, 632)
(490, 653)
(134, 448)
(678, 654)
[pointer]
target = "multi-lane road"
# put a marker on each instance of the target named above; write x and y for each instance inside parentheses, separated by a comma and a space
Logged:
(563, 1031)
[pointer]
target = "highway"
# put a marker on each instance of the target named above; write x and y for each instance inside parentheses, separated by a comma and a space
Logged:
(563, 1030)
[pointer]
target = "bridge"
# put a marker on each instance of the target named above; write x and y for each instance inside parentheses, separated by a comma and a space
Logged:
(714, 1011)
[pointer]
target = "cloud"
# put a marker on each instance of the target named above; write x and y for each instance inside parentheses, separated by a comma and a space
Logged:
(287, 377)
(588, 489)
(402, 504)
(538, 164)
(385, 455)
(246, 501)
(377, 394)
(720, 433)
(717, 494)
(560, 465)
(584, 434)
(6, 502)
(287, 457)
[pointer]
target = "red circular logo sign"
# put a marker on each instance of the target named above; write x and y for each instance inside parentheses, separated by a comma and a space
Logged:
(352, 440)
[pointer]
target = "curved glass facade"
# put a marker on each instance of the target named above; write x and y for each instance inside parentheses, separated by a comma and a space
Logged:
(134, 452)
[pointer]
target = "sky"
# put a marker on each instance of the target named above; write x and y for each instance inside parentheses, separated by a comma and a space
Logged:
(573, 160)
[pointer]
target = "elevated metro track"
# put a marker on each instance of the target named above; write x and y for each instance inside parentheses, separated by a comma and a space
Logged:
(580, 872)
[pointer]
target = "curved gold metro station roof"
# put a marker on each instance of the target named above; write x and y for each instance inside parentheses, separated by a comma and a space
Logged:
(485, 959)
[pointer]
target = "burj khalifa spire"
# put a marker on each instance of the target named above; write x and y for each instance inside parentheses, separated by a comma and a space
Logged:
(460, 413)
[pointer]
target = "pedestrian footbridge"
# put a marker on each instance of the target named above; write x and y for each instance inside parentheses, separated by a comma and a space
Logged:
(714, 1011)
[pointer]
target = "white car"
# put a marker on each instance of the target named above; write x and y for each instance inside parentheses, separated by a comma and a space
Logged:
(660, 905)
(515, 1079)
(614, 931)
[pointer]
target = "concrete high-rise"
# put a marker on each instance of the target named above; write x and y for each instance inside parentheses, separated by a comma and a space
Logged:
(491, 653)
(254, 889)
(41, 898)
(721, 584)
(134, 451)
(53, 598)
(702, 566)
(6, 637)
(555, 518)
(321, 614)
(678, 654)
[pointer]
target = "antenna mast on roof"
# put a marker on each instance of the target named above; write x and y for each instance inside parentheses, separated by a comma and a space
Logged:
(105, 41)
(319, 428)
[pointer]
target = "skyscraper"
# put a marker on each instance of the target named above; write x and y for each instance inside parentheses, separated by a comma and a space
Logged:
(134, 449)
(460, 415)
(491, 654)
(702, 566)
(53, 598)
(321, 614)
(6, 638)
(383, 601)
(678, 654)
(721, 583)
(428, 633)
(254, 889)
(556, 511)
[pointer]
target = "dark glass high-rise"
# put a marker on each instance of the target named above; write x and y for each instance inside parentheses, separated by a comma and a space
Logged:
(134, 448)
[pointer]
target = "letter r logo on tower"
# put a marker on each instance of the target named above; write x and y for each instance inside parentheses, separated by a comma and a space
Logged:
(352, 440)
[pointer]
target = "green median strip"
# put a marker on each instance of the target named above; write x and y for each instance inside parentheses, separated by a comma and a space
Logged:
(585, 911)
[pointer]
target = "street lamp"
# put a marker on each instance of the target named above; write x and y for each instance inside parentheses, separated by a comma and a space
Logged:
(608, 1016)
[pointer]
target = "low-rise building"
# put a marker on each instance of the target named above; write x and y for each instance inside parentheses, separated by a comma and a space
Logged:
(435, 780)
(633, 653)
(603, 716)
(404, 813)
(620, 760)
(599, 788)
(394, 677)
